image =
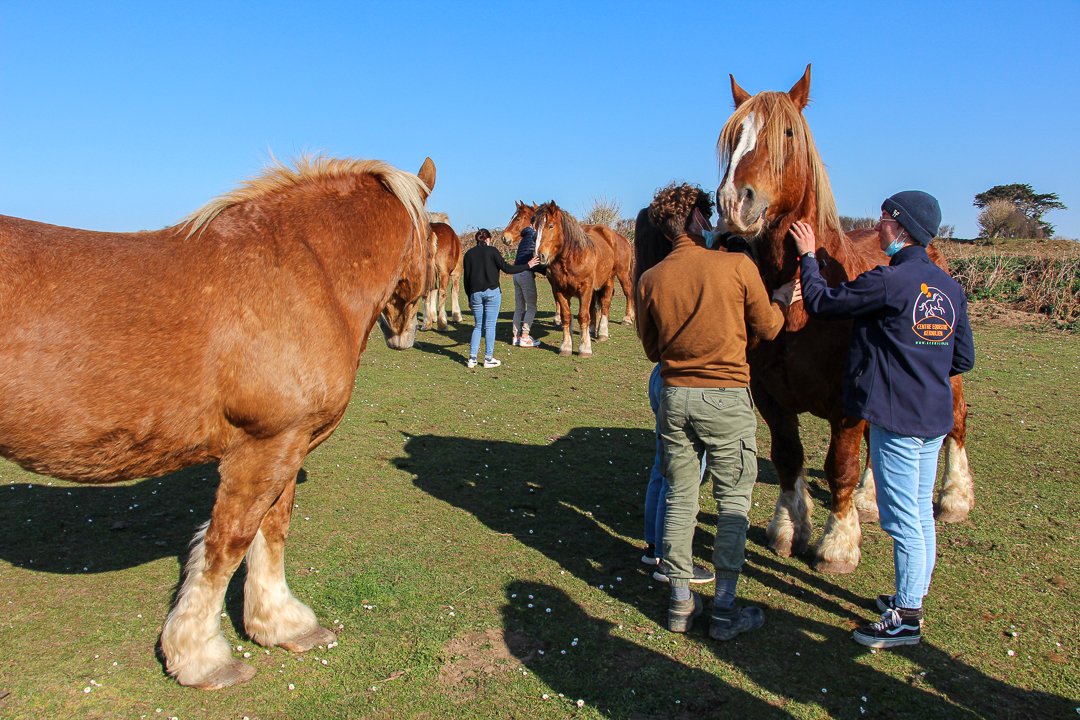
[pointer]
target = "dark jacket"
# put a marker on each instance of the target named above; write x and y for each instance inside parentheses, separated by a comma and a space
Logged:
(527, 247)
(910, 335)
(481, 266)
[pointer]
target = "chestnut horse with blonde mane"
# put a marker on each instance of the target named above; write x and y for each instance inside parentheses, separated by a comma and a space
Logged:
(773, 177)
(623, 266)
(577, 266)
(448, 269)
(232, 337)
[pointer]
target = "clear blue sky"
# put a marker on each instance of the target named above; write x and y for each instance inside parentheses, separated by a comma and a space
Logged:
(127, 116)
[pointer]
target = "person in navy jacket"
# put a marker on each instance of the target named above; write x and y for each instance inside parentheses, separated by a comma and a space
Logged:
(910, 335)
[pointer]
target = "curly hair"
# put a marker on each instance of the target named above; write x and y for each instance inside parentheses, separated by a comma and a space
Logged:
(672, 206)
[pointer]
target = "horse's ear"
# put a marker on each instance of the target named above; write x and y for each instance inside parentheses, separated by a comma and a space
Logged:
(737, 93)
(800, 92)
(427, 174)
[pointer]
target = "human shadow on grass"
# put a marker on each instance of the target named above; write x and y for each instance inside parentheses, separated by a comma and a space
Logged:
(591, 659)
(571, 500)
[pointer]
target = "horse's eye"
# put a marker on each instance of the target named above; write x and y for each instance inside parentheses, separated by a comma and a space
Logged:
(551, 227)
(789, 132)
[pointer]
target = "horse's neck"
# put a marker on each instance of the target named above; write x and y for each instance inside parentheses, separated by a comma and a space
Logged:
(778, 258)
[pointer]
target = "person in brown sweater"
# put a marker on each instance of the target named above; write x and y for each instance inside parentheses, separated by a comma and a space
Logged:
(695, 310)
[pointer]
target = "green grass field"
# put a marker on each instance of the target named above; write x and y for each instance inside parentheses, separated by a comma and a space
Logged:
(474, 537)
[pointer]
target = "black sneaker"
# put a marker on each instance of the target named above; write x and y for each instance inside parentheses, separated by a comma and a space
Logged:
(701, 574)
(892, 630)
(885, 603)
(727, 624)
(681, 613)
(649, 558)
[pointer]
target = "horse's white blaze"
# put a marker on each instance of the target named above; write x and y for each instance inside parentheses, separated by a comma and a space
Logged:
(272, 614)
(865, 496)
(840, 541)
(747, 142)
(791, 524)
(957, 487)
(540, 239)
(191, 639)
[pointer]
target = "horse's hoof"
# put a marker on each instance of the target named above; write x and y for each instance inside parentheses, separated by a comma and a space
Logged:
(943, 516)
(443, 327)
(457, 318)
(565, 353)
(232, 674)
(602, 338)
(782, 548)
(834, 567)
(584, 354)
(317, 636)
(627, 321)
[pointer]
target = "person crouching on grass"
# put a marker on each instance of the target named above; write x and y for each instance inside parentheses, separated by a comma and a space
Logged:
(694, 309)
(911, 334)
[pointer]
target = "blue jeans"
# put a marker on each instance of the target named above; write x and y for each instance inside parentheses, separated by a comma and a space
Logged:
(905, 469)
(485, 308)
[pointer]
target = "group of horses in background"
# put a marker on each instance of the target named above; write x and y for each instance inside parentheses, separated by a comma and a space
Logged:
(269, 295)
(580, 261)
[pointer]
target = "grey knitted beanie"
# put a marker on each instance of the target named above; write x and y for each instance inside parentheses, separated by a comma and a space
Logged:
(918, 212)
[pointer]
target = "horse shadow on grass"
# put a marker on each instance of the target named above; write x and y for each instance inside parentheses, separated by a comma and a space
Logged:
(575, 499)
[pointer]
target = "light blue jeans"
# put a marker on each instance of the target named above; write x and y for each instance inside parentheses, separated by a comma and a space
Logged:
(905, 469)
(485, 309)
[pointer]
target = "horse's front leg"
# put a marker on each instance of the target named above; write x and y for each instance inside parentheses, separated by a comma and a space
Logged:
(455, 303)
(272, 614)
(444, 282)
(562, 305)
(957, 496)
(791, 529)
(253, 476)
(429, 308)
(838, 549)
(584, 323)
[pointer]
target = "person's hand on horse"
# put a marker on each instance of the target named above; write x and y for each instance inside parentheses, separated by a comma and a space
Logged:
(534, 261)
(788, 294)
(805, 241)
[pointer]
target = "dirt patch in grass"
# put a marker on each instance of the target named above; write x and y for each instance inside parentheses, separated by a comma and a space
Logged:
(483, 654)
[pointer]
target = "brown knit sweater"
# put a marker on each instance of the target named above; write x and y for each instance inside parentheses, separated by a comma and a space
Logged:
(693, 312)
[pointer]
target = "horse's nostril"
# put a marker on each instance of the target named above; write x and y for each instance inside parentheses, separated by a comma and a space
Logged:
(748, 195)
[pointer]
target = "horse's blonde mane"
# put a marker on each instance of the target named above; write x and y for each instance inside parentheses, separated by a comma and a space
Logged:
(777, 113)
(278, 177)
(574, 237)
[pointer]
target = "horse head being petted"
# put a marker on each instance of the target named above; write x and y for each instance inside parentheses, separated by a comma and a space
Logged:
(772, 177)
(233, 337)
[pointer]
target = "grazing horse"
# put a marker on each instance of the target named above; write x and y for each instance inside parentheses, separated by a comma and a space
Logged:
(448, 267)
(623, 267)
(772, 177)
(577, 266)
(234, 336)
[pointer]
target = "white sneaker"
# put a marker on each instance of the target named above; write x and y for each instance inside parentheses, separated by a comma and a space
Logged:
(527, 342)
(492, 362)
(471, 363)
(515, 341)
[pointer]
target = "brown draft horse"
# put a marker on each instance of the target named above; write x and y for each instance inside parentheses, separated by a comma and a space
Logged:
(234, 336)
(772, 177)
(448, 268)
(577, 266)
(624, 253)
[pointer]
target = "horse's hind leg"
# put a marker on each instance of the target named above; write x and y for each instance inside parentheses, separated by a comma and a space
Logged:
(562, 303)
(865, 496)
(790, 530)
(838, 550)
(272, 614)
(957, 487)
(584, 322)
(602, 332)
(253, 476)
(444, 284)
(628, 291)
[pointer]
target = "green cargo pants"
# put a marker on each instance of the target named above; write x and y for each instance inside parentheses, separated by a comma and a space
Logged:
(719, 422)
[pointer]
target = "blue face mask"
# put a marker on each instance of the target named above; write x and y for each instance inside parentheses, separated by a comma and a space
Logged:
(895, 245)
(710, 238)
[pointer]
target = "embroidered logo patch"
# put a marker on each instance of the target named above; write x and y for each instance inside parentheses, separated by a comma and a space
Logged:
(933, 316)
